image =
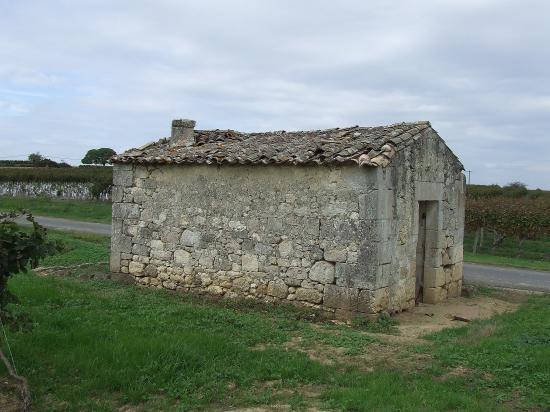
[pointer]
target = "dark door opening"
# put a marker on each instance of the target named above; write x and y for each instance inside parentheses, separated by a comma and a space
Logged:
(420, 252)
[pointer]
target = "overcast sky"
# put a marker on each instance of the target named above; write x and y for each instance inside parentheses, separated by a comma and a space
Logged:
(76, 75)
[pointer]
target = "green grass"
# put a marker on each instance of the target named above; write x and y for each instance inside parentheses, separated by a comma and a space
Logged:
(89, 211)
(533, 254)
(98, 345)
(508, 354)
(78, 248)
(506, 261)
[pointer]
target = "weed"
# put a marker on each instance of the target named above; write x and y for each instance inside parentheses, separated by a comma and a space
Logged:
(384, 323)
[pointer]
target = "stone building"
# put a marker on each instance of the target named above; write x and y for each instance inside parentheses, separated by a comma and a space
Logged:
(349, 220)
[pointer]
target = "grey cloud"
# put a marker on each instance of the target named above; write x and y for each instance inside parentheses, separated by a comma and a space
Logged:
(101, 73)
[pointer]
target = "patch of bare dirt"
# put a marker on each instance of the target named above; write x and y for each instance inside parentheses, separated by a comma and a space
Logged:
(311, 392)
(324, 354)
(459, 371)
(9, 402)
(10, 395)
(269, 408)
(388, 355)
(425, 319)
(273, 408)
(412, 326)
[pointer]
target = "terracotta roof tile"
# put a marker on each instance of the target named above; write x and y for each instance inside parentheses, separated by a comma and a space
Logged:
(366, 146)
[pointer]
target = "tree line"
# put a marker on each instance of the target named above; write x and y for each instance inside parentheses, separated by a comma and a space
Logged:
(100, 156)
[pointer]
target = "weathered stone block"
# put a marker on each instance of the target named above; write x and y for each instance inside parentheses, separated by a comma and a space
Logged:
(136, 268)
(249, 263)
(161, 254)
(157, 244)
(433, 257)
(336, 255)
(308, 295)
(446, 257)
(385, 204)
(457, 271)
(341, 297)
(429, 190)
(215, 290)
(285, 248)
(114, 261)
(290, 281)
(296, 273)
(385, 252)
(121, 243)
(453, 290)
(125, 211)
(242, 283)
(150, 270)
(190, 238)
(117, 192)
(373, 301)
(206, 261)
(322, 272)
(278, 289)
(434, 277)
(123, 175)
(138, 249)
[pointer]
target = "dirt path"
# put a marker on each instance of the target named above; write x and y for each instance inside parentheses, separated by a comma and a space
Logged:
(425, 319)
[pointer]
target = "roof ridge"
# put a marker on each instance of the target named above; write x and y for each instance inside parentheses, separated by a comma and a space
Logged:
(321, 146)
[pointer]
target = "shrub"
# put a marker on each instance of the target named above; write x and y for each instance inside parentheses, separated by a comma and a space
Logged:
(515, 189)
(20, 249)
(483, 191)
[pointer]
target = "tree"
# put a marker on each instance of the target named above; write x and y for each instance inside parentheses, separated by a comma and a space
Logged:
(515, 189)
(36, 158)
(99, 156)
(516, 185)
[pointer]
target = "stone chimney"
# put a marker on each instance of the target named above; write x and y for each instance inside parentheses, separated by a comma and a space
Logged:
(183, 132)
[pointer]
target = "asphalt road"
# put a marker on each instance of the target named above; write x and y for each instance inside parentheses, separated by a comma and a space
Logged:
(497, 276)
(506, 277)
(74, 225)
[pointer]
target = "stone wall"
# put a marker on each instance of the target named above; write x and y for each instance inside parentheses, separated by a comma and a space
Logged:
(342, 238)
(426, 171)
(59, 190)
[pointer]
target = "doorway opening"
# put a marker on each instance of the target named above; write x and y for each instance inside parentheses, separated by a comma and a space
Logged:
(427, 235)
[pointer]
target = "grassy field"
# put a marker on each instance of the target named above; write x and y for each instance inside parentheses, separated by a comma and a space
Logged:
(89, 211)
(533, 254)
(98, 345)
(78, 248)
